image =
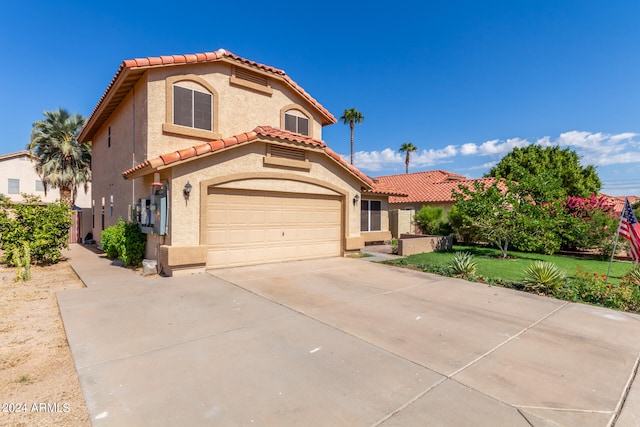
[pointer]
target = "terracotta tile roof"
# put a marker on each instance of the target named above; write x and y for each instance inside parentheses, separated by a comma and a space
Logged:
(429, 186)
(380, 188)
(131, 70)
(618, 201)
(198, 151)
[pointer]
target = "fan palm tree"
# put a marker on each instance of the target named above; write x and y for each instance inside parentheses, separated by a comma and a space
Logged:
(407, 148)
(352, 117)
(62, 162)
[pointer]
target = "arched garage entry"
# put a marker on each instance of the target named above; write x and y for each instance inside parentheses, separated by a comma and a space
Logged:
(254, 221)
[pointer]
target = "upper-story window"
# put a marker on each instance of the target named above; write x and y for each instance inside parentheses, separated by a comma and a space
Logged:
(296, 121)
(192, 108)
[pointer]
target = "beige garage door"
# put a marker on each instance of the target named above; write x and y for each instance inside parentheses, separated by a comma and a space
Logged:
(252, 227)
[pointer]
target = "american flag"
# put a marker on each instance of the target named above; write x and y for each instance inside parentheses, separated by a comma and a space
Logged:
(630, 229)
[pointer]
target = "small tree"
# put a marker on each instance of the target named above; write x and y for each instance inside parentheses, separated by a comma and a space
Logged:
(487, 213)
(563, 164)
(593, 223)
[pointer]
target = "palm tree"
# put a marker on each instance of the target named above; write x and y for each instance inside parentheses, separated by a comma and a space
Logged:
(62, 162)
(352, 117)
(407, 148)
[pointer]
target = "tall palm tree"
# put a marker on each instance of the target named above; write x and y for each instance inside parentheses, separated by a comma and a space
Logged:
(407, 148)
(62, 162)
(352, 117)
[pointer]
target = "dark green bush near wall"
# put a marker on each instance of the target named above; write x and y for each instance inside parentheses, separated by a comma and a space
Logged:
(44, 228)
(124, 241)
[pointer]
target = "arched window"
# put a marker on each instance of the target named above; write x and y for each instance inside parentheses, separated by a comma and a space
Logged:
(296, 121)
(192, 108)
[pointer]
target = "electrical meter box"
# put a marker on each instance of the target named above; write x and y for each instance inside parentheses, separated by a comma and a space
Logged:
(159, 211)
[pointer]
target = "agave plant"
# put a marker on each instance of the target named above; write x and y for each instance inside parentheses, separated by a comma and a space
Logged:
(543, 277)
(462, 265)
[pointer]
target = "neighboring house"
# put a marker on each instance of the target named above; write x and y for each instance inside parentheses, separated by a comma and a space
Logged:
(18, 176)
(432, 188)
(221, 161)
(618, 202)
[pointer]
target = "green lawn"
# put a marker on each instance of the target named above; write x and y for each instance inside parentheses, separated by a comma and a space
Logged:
(490, 265)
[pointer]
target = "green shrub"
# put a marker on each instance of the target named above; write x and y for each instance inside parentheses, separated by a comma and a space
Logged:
(124, 241)
(440, 270)
(543, 277)
(431, 220)
(44, 228)
(112, 238)
(593, 289)
(632, 277)
(462, 265)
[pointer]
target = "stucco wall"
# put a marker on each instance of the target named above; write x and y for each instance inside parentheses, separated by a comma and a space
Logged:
(108, 163)
(239, 109)
(401, 221)
(245, 165)
(23, 169)
(384, 233)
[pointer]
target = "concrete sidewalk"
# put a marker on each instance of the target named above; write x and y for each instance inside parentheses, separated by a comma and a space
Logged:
(342, 342)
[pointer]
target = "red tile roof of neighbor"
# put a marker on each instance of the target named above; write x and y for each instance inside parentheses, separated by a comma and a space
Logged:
(429, 186)
(618, 201)
(199, 151)
(131, 70)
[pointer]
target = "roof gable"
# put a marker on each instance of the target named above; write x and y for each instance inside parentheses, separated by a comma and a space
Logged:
(259, 133)
(132, 70)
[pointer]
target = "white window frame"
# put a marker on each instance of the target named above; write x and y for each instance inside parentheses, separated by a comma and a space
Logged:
(368, 203)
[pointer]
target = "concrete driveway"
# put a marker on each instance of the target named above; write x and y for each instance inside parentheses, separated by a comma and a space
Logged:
(343, 342)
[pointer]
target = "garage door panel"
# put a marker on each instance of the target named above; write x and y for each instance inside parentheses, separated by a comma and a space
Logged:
(251, 227)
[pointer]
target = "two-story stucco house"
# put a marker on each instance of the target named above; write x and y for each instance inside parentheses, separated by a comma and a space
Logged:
(221, 160)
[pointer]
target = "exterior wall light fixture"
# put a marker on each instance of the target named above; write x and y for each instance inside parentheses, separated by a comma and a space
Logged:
(187, 190)
(355, 199)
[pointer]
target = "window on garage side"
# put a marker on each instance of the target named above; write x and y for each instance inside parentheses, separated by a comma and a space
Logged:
(192, 108)
(370, 215)
(295, 121)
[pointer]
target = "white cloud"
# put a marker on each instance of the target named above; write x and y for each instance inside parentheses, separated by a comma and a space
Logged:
(598, 149)
(376, 160)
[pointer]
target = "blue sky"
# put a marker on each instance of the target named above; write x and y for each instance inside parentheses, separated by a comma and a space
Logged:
(464, 81)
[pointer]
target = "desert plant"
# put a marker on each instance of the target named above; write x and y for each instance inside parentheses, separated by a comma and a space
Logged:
(462, 265)
(543, 277)
(394, 246)
(22, 259)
